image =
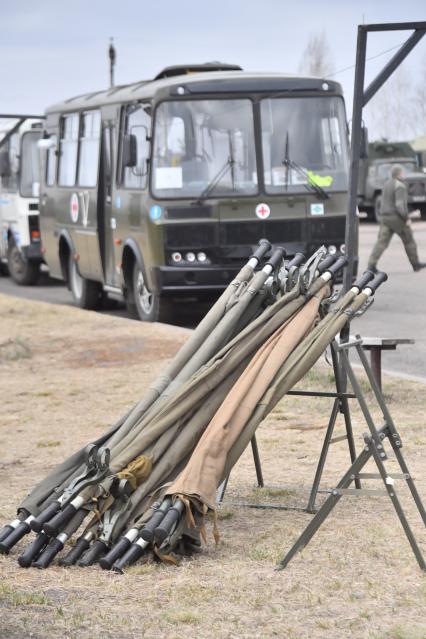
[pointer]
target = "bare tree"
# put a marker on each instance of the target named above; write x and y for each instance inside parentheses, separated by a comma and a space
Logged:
(418, 104)
(389, 114)
(316, 58)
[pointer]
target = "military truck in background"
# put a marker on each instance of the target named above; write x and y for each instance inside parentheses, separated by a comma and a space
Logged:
(376, 169)
(20, 243)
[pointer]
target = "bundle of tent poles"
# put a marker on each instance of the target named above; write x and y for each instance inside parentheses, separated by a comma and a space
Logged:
(148, 483)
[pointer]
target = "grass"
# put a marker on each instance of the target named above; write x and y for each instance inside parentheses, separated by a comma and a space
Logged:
(15, 349)
(48, 444)
(17, 598)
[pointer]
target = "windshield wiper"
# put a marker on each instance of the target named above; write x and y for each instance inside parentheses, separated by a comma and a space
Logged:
(309, 184)
(228, 165)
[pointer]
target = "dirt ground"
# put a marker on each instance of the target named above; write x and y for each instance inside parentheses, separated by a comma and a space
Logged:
(66, 375)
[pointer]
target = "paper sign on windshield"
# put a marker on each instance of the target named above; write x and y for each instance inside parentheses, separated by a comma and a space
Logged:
(168, 177)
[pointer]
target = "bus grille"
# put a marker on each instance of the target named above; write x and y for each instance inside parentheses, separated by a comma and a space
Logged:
(249, 233)
(187, 236)
(332, 228)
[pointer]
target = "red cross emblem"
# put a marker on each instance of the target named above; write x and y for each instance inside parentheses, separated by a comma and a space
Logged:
(263, 211)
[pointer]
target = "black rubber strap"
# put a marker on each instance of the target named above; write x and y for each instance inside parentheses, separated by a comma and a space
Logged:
(374, 284)
(75, 553)
(276, 257)
(92, 555)
(129, 558)
(262, 249)
(33, 550)
(46, 514)
(115, 553)
(325, 263)
(362, 281)
(56, 524)
(16, 535)
(49, 554)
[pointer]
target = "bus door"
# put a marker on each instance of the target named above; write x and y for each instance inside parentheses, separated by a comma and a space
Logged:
(86, 197)
(105, 213)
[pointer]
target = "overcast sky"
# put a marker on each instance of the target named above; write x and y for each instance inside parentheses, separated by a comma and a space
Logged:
(51, 50)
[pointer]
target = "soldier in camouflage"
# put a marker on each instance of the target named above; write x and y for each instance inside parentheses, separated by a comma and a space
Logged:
(394, 219)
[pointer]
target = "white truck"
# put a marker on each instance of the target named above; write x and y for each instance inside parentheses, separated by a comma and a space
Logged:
(20, 242)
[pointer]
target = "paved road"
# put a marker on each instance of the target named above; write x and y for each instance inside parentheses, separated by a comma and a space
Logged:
(399, 309)
(400, 306)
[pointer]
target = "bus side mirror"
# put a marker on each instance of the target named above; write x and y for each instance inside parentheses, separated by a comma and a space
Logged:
(46, 143)
(130, 150)
(363, 147)
(5, 168)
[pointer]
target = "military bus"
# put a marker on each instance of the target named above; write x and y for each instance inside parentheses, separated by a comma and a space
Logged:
(20, 246)
(160, 189)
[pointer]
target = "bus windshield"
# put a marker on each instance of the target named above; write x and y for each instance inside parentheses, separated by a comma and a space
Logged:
(30, 167)
(204, 147)
(304, 143)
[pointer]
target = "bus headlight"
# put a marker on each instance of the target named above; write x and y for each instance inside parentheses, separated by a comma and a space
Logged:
(332, 249)
(190, 257)
(177, 257)
(201, 257)
(343, 248)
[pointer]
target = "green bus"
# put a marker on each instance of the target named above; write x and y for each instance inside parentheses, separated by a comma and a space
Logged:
(159, 190)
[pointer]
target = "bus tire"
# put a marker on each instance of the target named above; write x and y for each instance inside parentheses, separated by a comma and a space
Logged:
(22, 271)
(86, 293)
(144, 304)
(377, 208)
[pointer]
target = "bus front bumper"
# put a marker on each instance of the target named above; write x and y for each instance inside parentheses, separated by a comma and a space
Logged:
(170, 279)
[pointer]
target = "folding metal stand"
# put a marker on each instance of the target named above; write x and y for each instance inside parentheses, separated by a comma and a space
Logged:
(373, 449)
(340, 405)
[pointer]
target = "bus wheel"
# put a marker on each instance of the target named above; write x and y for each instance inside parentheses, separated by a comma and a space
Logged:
(86, 293)
(147, 305)
(22, 271)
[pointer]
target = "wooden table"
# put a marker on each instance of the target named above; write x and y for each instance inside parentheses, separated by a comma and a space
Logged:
(378, 344)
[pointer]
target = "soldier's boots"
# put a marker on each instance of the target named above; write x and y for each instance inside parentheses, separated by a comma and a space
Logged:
(419, 266)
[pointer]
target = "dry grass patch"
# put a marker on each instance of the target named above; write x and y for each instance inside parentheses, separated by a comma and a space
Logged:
(357, 578)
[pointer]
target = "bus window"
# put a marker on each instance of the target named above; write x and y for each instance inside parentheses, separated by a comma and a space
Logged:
(89, 148)
(51, 162)
(68, 150)
(204, 145)
(30, 168)
(138, 124)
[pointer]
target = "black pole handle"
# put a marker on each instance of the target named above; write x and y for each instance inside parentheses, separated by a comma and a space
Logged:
(49, 554)
(325, 263)
(129, 558)
(363, 280)
(263, 247)
(276, 257)
(163, 530)
(33, 550)
(374, 285)
(5, 532)
(93, 554)
(338, 265)
(16, 535)
(54, 525)
(75, 553)
(147, 532)
(45, 515)
(117, 551)
(297, 260)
